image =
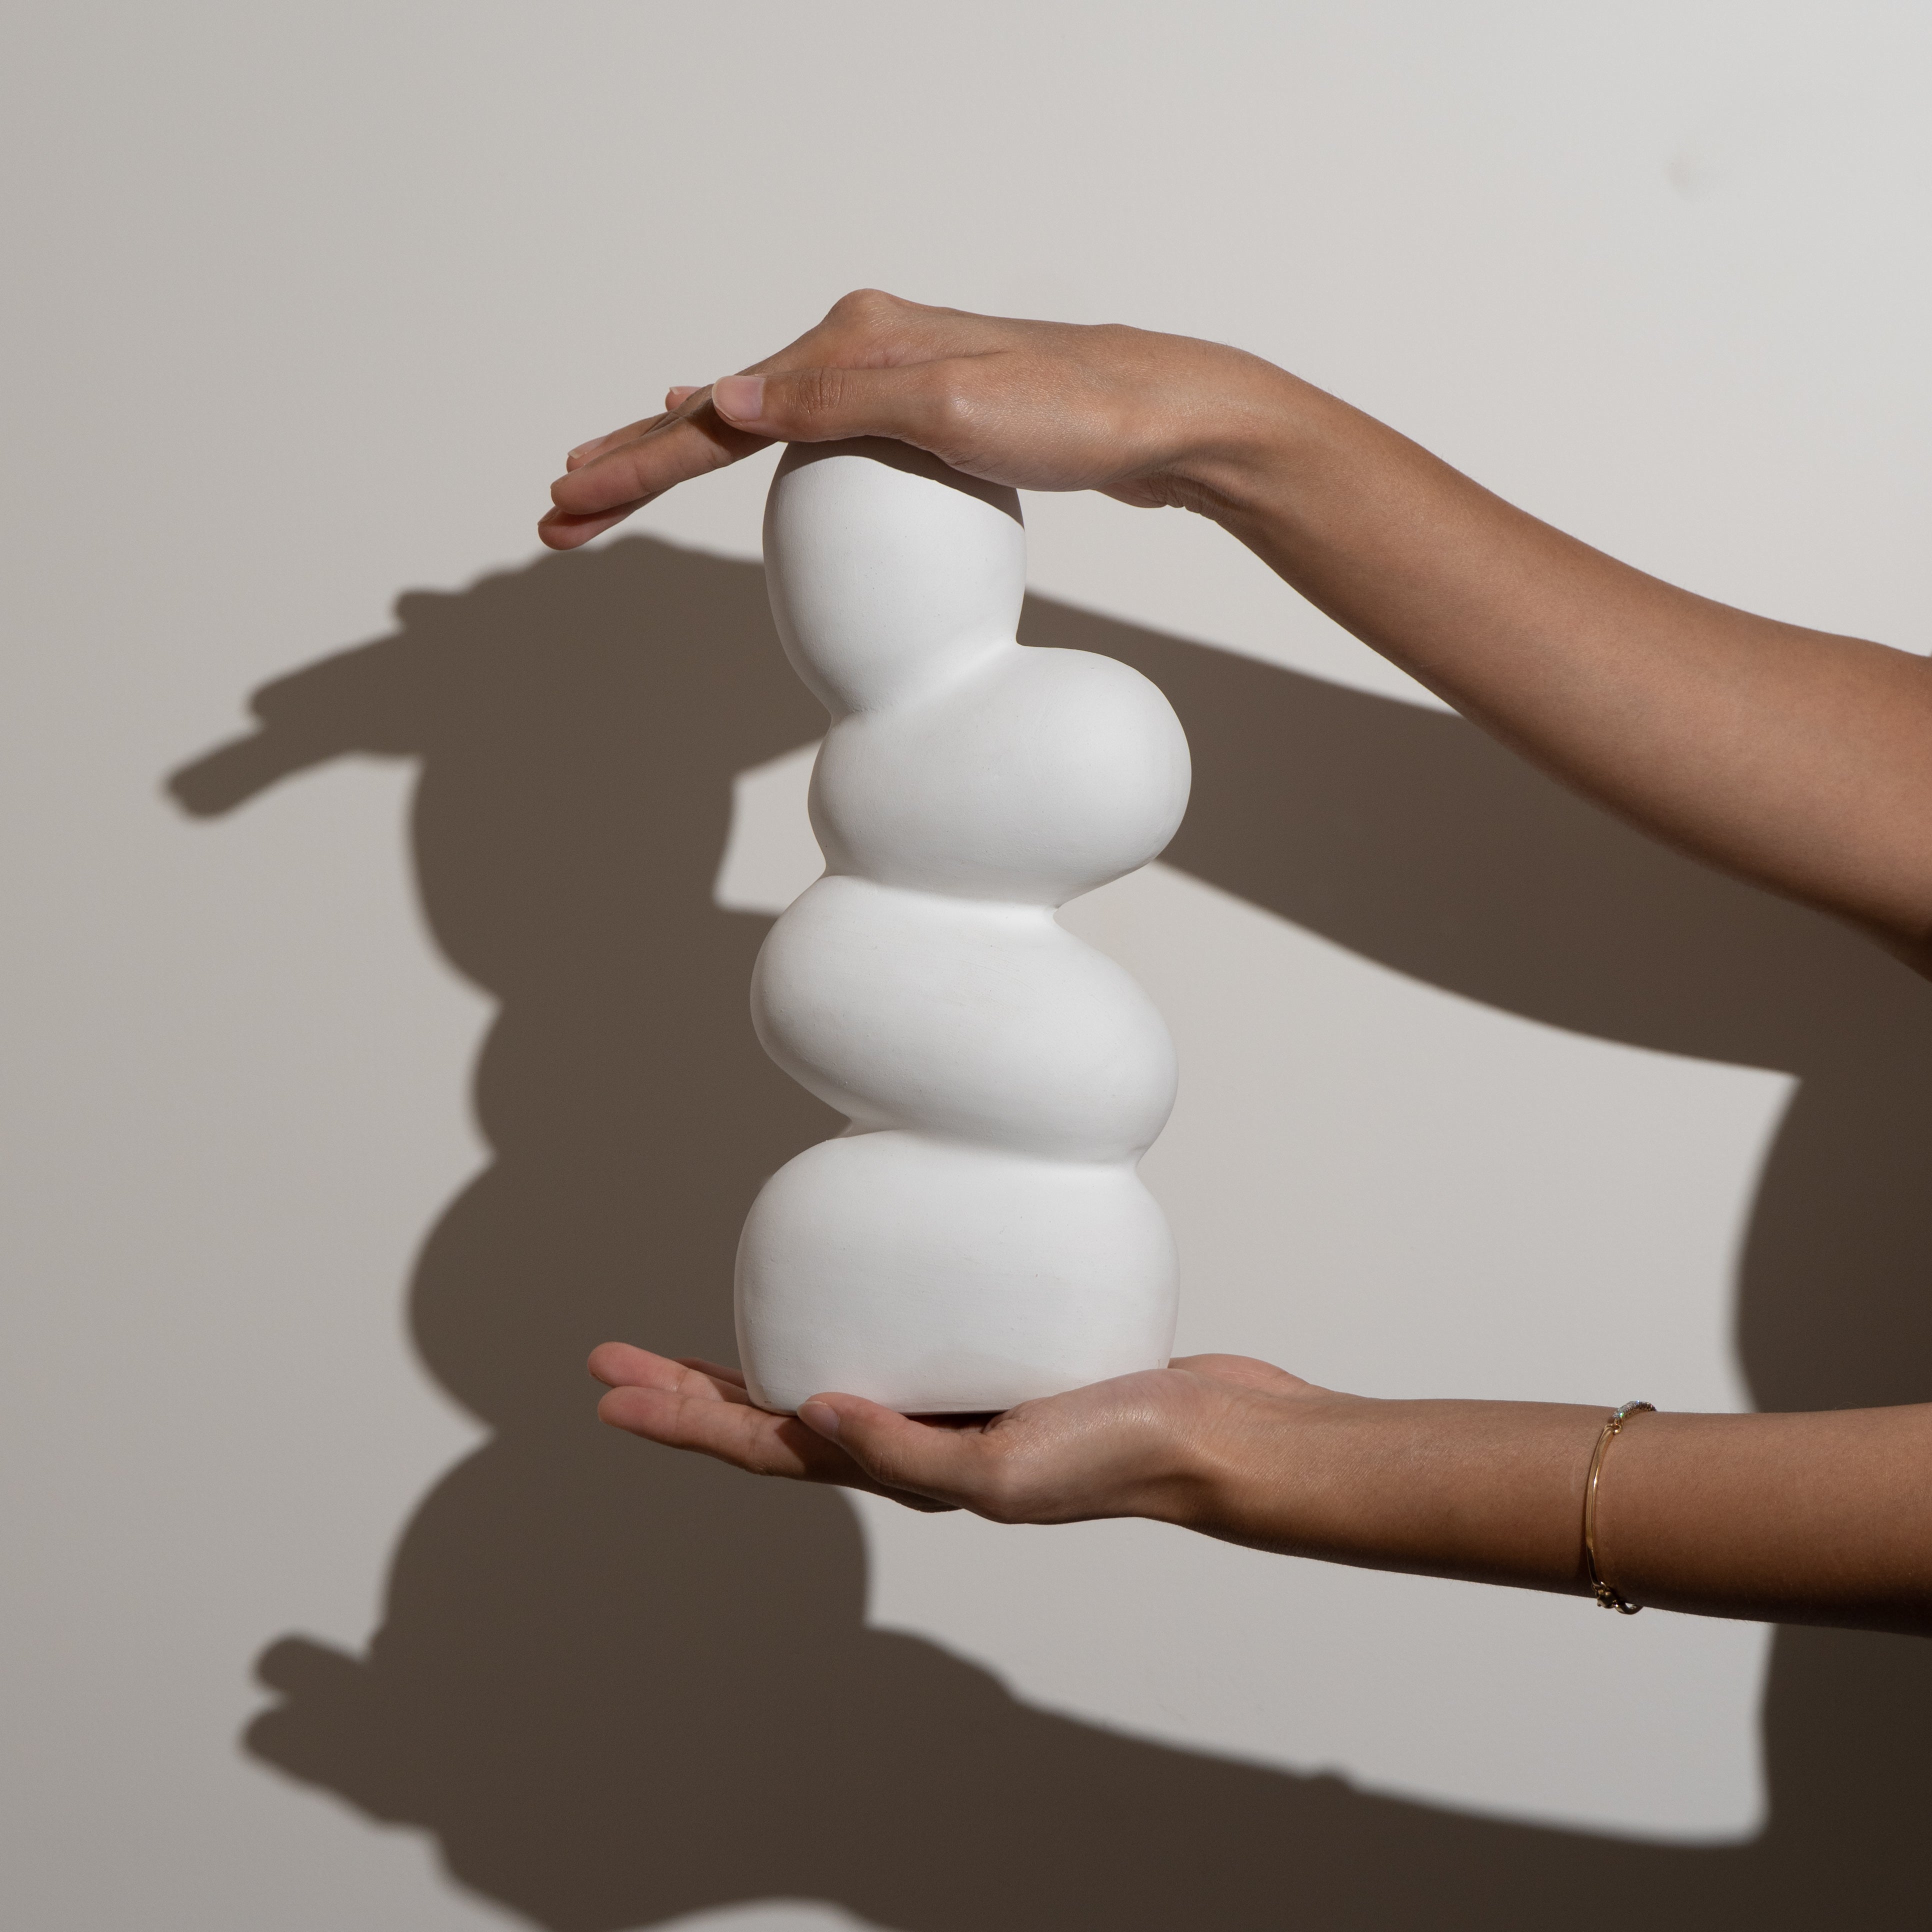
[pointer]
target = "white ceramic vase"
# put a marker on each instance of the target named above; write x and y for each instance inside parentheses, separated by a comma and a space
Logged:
(979, 1234)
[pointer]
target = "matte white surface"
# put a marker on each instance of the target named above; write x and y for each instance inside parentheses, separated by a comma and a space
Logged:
(307, 302)
(980, 1236)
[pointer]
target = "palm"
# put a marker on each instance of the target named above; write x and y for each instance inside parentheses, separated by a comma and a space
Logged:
(1101, 1451)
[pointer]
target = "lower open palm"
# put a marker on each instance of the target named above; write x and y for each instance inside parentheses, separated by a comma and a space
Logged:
(1137, 1445)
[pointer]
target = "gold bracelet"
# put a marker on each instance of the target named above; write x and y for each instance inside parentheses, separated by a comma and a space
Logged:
(1607, 1597)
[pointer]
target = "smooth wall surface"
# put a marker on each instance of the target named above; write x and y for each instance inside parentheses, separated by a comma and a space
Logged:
(370, 1053)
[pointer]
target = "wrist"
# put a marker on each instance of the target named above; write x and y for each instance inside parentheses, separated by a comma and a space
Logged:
(1251, 1471)
(1239, 453)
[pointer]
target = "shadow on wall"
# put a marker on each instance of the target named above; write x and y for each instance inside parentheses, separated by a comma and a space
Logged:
(618, 1684)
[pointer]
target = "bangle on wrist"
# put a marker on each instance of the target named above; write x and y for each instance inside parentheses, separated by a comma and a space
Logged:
(1608, 1597)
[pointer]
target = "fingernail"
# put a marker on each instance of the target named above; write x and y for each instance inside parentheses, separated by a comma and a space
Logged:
(584, 448)
(821, 1417)
(740, 397)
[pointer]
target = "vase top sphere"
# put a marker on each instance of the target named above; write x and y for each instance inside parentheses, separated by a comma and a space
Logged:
(889, 572)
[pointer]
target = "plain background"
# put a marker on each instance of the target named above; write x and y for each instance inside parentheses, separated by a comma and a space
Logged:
(1479, 1097)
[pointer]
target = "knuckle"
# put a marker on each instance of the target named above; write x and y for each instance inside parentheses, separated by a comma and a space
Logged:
(862, 306)
(868, 325)
(950, 405)
(953, 407)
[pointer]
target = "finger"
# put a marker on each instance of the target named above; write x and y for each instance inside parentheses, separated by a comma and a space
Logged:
(584, 451)
(619, 1365)
(735, 1432)
(675, 399)
(867, 328)
(626, 474)
(930, 404)
(610, 477)
(555, 531)
(718, 1371)
(956, 1465)
(749, 1438)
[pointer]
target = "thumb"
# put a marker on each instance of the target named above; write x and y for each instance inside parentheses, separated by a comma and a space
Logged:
(952, 1465)
(918, 404)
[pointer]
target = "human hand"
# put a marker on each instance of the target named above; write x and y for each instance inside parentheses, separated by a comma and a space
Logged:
(1151, 420)
(1159, 1444)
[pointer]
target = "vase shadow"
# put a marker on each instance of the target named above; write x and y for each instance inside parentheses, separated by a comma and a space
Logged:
(617, 1685)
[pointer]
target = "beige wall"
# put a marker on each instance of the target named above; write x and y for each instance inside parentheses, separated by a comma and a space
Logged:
(357, 1083)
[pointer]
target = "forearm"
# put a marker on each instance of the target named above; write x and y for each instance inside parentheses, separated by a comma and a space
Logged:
(1823, 1518)
(1795, 758)
(1819, 1518)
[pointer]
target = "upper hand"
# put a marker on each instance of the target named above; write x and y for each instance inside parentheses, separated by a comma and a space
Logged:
(1035, 405)
(1153, 1443)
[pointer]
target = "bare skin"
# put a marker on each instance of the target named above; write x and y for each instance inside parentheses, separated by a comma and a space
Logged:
(1795, 758)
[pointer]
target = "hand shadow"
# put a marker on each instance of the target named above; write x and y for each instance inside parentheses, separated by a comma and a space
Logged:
(618, 1685)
